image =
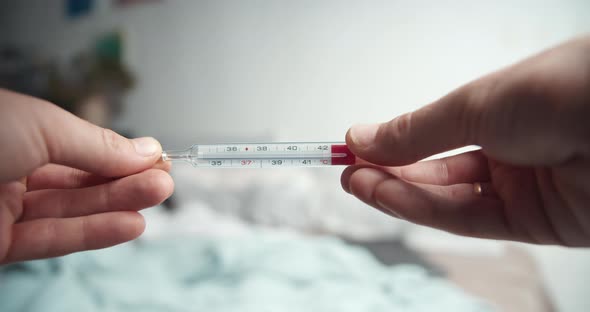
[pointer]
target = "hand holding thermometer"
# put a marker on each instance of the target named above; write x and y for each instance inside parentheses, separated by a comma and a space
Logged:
(264, 155)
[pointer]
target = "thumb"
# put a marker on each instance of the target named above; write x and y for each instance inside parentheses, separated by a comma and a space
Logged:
(43, 133)
(438, 127)
(532, 113)
(502, 113)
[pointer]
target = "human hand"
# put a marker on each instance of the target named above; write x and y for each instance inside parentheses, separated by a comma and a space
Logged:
(67, 185)
(531, 176)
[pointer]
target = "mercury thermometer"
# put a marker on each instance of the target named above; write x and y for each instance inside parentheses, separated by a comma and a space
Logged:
(264, 155)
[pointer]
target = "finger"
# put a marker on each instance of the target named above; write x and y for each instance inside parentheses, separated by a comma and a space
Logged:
(468, 167)
(133, 192)
(52, 176)
(44, 133)
(454, 208)
(44, 238)
(350, 170)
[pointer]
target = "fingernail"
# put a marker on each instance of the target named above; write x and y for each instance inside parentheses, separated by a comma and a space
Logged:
(363, 135)
(146, 146)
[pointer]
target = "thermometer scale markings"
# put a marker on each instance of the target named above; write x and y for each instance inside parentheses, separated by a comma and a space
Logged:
(261, 155)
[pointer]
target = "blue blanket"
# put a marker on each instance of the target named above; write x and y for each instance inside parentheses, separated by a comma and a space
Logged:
(259, 272)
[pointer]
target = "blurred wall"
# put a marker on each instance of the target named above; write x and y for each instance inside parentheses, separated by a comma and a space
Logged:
(302, 70)
(306, 70)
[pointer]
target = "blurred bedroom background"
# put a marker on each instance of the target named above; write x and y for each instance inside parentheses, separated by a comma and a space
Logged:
(190, 72)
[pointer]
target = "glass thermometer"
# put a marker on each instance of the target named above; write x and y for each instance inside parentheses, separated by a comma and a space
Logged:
(264, 155)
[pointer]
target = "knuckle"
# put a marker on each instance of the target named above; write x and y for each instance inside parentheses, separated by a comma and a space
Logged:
(105, 199)
(443, 170)
(455, 192)
(50, 236)
(397, 134)
(62, 204)
(85, 234)
(402, 125)
(405, 136)
(475, 110)
(111, 139)
(398, 130)
(78, 177)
